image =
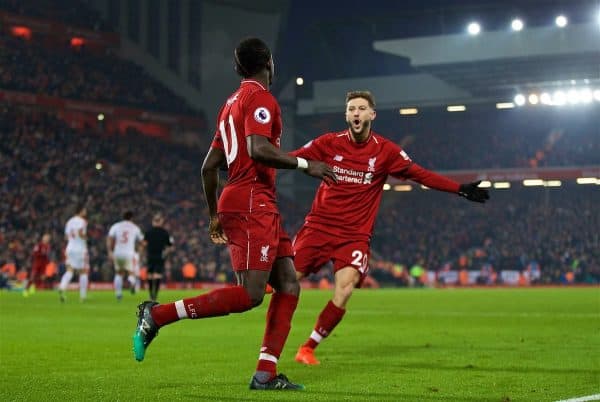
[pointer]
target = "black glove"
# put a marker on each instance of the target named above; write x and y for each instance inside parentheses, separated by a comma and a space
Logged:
(473, 193)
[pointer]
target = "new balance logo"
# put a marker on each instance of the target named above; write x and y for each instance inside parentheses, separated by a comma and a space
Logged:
(145, 327)
(338, 158)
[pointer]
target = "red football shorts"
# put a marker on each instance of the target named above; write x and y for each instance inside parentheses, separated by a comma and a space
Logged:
(314, 248)
(256, 240)
(38, 269)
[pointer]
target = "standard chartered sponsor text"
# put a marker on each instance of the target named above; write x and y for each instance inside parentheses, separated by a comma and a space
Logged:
(348, 175)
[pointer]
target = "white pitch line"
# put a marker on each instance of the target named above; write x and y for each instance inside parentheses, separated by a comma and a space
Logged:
(582, 399)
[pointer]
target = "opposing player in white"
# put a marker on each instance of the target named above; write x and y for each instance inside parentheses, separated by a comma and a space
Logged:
(76, 254)
(123, 238)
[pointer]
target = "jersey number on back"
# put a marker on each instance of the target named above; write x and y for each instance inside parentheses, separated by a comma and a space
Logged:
(230, 152)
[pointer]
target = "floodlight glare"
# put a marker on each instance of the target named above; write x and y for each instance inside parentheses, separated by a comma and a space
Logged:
(516, 24)
(561, 21)
(559, 98)
(586, 95)
(520, 99)
(299, 81)
(474, 28)
(545, 98)
(533, 99)
(597, 95)
(573, 96)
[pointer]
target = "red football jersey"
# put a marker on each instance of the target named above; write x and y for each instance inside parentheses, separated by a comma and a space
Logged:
(250, 185)
(350, 207)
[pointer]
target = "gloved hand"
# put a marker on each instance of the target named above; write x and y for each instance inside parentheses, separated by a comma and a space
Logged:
(473, 193)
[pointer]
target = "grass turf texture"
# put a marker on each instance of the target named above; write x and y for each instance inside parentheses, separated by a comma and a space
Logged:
(394, 345)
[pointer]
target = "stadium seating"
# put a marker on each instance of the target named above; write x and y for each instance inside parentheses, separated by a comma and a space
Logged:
(76, 73)
(71, 12)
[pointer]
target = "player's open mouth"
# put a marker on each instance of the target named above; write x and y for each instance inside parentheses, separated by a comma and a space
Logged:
(356, 122)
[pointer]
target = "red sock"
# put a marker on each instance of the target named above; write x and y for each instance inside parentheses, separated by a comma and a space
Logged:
(216, 303)
(279, 323)
(329, 318)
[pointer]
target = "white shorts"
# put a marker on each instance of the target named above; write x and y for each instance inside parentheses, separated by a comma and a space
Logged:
(77, 259)
(123, 262)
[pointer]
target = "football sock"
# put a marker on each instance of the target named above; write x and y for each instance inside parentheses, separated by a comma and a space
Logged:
(118, 283)
(219, 302)
(150, 284)
(138, 284)
(83, 284)
(279, 321)
(327, 321)
(131, 280)
(155, 285)
(65, 280)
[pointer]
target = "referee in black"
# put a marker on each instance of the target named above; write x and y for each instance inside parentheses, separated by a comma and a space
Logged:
(158, 244)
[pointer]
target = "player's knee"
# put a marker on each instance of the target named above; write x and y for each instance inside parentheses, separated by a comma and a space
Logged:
(256, 296)
(291, 287)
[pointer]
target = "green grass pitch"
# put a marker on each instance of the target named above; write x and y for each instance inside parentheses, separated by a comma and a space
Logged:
(393, 345)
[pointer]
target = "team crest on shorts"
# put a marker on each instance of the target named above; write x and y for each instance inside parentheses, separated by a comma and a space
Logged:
(262, 115)
(264, 253)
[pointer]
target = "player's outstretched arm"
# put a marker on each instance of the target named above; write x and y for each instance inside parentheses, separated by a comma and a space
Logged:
(438, 182)
(261, 150)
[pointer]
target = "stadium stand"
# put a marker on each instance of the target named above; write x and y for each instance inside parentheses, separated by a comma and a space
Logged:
(50, 167)
(553, 228)
(76, 73)
(71, 12)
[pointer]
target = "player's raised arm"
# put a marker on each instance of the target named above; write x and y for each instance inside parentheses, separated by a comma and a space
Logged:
(261, 150)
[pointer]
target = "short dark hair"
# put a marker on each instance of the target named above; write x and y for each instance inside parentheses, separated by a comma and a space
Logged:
(251, 56)
(127, 215)
(361, 94)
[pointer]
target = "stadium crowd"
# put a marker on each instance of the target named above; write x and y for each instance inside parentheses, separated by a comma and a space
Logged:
(72, 12)
(50, 167)
(78, 73)
(555, 229)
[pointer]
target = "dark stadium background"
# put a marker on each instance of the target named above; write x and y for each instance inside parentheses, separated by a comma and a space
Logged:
(112, 102)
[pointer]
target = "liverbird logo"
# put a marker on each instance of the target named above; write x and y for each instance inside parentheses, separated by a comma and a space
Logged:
(372, 164)
(264, 251)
